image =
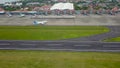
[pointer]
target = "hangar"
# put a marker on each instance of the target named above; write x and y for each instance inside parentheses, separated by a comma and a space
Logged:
(62, 6)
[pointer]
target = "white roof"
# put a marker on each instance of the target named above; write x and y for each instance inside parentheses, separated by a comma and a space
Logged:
(3, 1)
(62, 6)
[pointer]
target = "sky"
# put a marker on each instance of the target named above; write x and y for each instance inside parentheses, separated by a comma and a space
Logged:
(3, 1)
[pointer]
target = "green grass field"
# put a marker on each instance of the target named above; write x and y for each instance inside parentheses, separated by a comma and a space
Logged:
(117, 39)
(48, 32)
(58, 59)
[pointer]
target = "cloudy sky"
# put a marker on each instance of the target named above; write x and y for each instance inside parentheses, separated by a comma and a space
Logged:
(3, 1)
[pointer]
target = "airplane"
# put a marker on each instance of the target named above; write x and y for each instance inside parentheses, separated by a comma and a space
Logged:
(39, 22)
(9, 15)
(22, 15)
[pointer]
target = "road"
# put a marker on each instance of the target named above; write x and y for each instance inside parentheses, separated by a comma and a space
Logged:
(92, 43)
(61, 45)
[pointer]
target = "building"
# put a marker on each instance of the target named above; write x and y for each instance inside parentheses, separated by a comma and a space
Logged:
(1, 11)
(70, 0)
(13, 4)
(3, 1)
(33, 3)
(62, 6)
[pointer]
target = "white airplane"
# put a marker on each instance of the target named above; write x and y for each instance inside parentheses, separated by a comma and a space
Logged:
(22, 15)
(39, 22)
(9, 15)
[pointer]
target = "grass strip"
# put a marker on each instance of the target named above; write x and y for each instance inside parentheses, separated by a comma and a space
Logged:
(58, 59)
(117, 39)
(48, 32)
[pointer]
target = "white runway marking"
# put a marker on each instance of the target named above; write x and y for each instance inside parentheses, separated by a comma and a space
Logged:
(82, 45)
(27, 44)
(54, 44)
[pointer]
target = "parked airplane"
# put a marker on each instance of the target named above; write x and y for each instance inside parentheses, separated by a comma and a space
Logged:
(39, 22)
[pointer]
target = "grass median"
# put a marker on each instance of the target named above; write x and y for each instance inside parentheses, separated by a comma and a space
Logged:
(48, 32)
(58, 59)
(117, 39)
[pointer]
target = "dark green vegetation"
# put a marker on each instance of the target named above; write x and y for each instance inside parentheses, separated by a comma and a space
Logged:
(50, 59)
(9, 8)
(117, 39)
(48, 32)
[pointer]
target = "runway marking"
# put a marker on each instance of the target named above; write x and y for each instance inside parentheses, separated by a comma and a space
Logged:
(54, 44)
(4, 43)
(82, 45)
(111, 45)
(27, 44)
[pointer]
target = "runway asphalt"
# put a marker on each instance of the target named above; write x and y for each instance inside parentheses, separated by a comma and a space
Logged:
(61, 45)
(92, 43)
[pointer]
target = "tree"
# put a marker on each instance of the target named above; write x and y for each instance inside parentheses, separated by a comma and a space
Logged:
(76, 7)
(85, 7)
(11, 8)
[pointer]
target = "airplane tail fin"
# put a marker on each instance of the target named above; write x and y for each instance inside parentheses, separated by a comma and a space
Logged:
(35, 22)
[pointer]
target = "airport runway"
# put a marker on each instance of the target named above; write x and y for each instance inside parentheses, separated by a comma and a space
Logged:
(61, 45)
(92, 43)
